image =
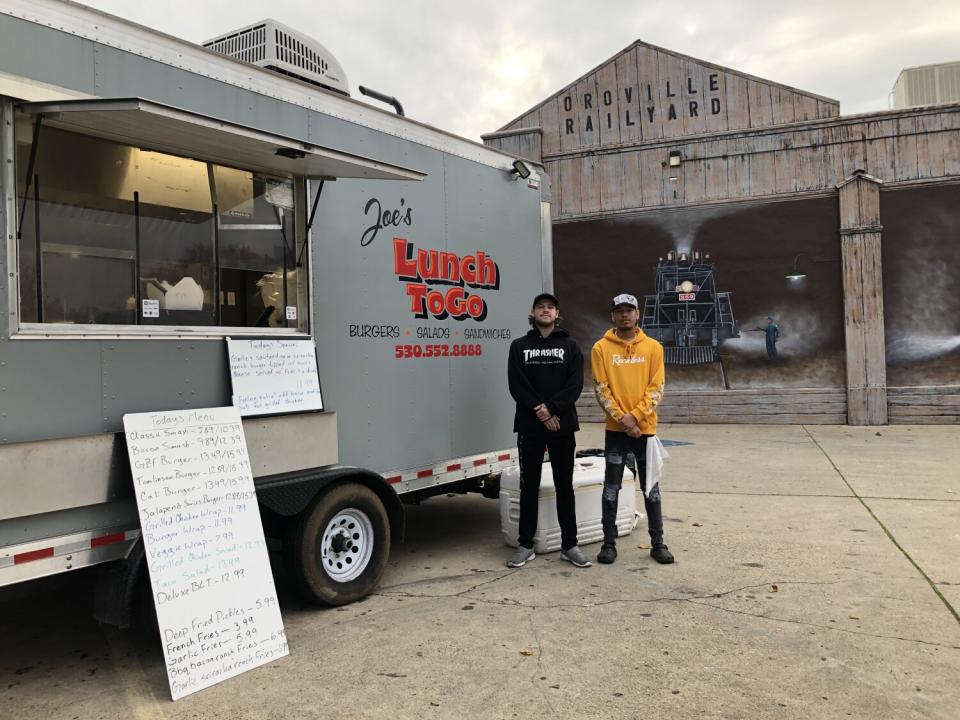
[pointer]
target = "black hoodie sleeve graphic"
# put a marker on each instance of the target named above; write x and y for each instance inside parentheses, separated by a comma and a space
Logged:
(565, 399)
(520, 387)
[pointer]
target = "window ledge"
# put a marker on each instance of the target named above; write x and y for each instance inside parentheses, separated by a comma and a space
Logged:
(61, 331)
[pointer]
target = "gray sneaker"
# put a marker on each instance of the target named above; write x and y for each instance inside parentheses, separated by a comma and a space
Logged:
(521, 557)
(575, 555)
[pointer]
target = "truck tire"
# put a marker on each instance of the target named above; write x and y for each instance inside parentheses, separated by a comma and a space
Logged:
(337, 549)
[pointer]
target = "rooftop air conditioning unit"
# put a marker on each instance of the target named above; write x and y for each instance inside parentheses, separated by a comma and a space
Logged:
(927, 85)
(277, 47)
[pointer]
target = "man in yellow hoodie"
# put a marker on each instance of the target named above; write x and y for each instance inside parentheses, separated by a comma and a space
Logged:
(628, 380)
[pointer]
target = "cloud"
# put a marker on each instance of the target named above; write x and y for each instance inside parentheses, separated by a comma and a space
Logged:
(472, 68)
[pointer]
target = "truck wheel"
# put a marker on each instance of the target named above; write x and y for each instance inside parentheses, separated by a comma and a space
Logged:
(337, 551)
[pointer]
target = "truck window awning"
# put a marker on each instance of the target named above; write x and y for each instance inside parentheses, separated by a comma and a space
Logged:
(152, 126)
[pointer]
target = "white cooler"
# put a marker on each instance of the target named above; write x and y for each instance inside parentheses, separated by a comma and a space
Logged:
(588, 491)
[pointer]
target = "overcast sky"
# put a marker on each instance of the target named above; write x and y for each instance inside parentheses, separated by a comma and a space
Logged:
(472, 67)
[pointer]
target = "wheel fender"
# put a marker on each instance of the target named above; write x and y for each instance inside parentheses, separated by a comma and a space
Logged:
(290, 494)
(115, 585)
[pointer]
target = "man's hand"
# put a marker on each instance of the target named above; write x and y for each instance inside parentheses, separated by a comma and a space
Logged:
(628, 421)
(543, 414)
(634, 432)
(552, 423)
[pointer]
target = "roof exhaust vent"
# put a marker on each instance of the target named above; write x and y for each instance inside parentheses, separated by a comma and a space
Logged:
(388, 99)
(276, 47)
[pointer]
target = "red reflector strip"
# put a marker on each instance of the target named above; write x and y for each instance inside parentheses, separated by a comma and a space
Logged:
(424, 473)
(505, 456)
(481, 461)
(393, 480)
(455, 466)
(33, 555)
(107, 539)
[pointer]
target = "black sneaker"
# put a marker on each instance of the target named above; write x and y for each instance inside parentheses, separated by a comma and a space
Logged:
(661, 554)
(607, 554)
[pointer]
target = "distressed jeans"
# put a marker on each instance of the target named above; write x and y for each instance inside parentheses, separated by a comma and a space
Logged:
(620, 449)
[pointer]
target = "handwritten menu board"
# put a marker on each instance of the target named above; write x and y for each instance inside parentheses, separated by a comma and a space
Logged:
(274, 376)
(210, 573)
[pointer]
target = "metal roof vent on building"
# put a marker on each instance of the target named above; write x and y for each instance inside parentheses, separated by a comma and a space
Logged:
(277, 47)
(927, 85)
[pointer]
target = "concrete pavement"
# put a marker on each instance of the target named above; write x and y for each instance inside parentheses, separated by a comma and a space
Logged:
(816, 577)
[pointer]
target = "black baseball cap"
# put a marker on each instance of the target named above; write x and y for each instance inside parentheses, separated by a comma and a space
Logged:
(545, 296)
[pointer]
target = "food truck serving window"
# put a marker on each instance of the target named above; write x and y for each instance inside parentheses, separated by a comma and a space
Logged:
(112, 234)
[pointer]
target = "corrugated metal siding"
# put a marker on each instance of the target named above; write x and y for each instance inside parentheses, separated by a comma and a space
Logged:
(928, 85)
(949, 80)
(922, 87)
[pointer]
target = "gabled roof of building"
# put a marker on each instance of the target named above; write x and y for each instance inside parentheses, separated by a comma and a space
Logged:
(646, 92)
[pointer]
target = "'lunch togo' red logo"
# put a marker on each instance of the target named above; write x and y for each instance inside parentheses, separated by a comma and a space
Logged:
(422, 268)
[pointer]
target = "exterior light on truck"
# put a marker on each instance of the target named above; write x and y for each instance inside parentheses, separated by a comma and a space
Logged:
(291, 153)
(521, 169)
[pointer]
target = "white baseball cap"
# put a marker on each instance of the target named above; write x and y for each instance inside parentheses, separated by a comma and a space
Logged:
(625, 299)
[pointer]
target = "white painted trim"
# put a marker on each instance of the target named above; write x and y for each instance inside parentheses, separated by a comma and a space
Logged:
(67, 331)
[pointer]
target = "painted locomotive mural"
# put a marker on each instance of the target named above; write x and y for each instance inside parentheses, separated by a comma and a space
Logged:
(771, 331)
(686, 313)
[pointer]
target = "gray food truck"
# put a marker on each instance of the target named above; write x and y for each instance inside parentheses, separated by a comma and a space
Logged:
(161, 196)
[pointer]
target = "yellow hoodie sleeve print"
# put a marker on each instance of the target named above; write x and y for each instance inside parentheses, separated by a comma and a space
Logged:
(646, 411)
(601, 384)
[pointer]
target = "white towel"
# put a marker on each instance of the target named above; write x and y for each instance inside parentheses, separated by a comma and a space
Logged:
(656, 454)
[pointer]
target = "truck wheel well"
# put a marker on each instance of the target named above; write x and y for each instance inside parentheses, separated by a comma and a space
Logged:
(289, 494)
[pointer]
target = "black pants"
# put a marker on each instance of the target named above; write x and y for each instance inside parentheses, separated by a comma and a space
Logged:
(619, 449)
(562, 451)
(771, 348)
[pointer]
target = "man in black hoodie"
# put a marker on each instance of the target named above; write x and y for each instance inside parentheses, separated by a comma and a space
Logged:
(545, 372)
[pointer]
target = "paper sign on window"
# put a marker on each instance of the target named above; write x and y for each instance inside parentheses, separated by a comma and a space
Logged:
(274, 376)
(151, 308)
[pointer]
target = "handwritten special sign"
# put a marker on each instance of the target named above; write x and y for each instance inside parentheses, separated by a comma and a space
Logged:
(274, 376)
(209, 570)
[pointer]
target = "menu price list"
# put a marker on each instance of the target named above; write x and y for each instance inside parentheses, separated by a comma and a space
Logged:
(209, 569)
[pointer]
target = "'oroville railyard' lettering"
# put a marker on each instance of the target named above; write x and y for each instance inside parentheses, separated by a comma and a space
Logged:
(641, 104)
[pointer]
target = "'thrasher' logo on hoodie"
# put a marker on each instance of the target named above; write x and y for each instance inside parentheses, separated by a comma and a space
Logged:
(537, 355)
